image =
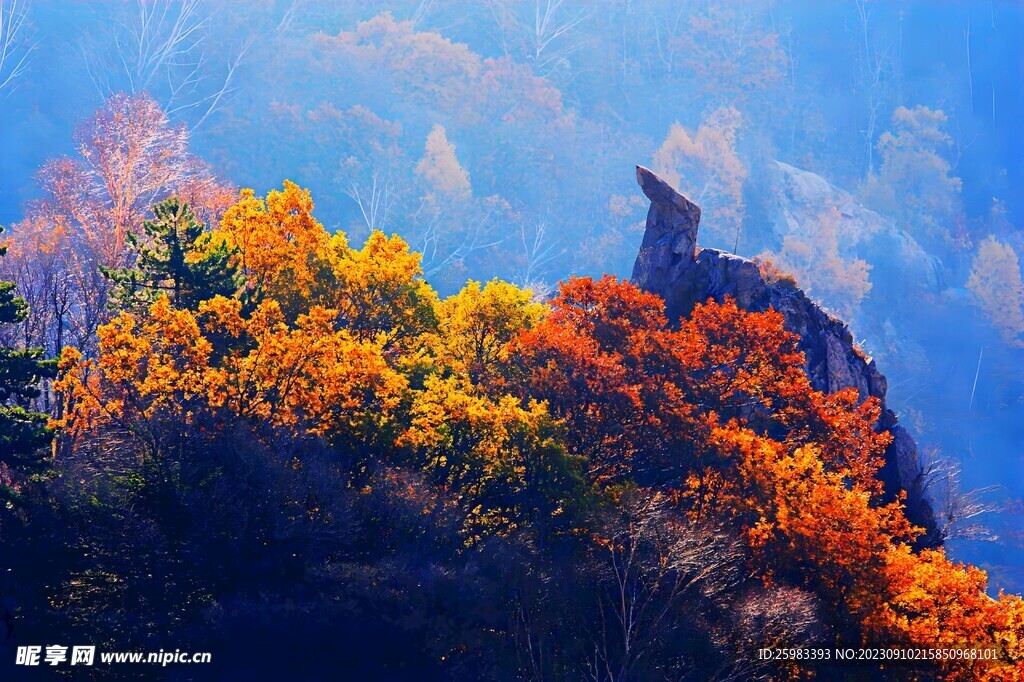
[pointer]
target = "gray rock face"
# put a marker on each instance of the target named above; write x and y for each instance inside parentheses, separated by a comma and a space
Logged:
(671, 265)
(670, 239)
(901, 266)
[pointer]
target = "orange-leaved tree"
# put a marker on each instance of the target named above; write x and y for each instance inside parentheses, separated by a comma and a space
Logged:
(721, 413)
(594, 358)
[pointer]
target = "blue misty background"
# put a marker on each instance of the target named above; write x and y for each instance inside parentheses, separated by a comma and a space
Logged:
(341, 97)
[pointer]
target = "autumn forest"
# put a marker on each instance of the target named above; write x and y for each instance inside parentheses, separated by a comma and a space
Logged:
(322, 346)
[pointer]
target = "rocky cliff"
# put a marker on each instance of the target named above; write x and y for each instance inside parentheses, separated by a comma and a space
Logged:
(902, 269)
(672, 265)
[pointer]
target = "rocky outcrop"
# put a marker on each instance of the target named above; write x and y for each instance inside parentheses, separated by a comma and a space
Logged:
(671, 265)
(900, 266)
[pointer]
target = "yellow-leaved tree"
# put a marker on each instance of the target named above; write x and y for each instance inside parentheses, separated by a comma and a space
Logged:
(500, 462)
(996, 285)
(172, 369)
(381, 294)
(282, 250)
(476, 325)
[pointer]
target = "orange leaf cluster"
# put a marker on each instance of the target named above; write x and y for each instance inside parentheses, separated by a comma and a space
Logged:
(722, 413)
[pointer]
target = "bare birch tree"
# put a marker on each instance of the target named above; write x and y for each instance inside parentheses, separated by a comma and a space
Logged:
(539, 250)
(15, 45)
(542, 30)
(165, 47)
(958, 512)
(873, 77)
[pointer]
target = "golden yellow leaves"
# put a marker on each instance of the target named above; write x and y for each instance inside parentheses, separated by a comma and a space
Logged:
(287, 256)
(496, 457)
(381, 295)
(476, 325)
(317, 346)
(450, 414)
(282, 249)
(310, 377)
(144, 371)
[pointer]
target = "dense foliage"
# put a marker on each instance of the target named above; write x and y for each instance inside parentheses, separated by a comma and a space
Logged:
(306, 448)
(497, 138)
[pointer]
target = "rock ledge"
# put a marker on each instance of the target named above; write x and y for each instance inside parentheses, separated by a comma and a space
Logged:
(671, 265)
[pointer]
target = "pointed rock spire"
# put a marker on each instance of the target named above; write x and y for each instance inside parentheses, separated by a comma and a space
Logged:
(670, 264)
(669, 248)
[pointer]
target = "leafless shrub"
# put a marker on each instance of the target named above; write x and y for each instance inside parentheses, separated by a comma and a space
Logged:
(957, 511)
(649, 561)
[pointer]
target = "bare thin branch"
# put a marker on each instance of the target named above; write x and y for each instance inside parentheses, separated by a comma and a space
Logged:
(15, 46)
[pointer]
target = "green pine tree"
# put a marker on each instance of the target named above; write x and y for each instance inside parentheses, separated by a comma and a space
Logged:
(23, 432)
(171, 262)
